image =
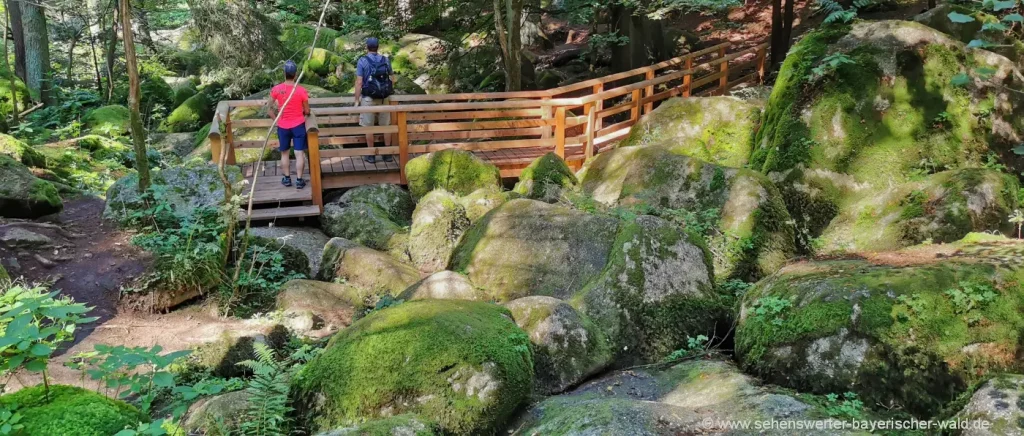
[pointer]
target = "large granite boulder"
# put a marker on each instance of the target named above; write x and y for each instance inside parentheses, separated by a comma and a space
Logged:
(444, 285)
(461, 364)
(22, 195)
(999, 403)
(545, 178)
(185, 189)
(21, 152)
(373, 215)
(437, 225)
(910, 329)
(456, 171)
(740, 211)
(372, 273)
(483, 200)
(719, 130)
(309, 306)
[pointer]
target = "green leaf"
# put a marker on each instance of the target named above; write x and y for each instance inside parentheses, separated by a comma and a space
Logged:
(985, 72)
(163, 379)
(978, 43)
(41, 350)
(1014, 18)
(1001, 5)
(36, 365)
(125, 432)
(959, 18)
(1019, 150)
(994, 26)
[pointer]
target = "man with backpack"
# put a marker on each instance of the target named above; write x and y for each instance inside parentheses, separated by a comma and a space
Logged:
(374, 85)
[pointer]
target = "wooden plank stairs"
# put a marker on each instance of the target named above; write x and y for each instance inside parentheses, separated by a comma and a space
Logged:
(507, 129)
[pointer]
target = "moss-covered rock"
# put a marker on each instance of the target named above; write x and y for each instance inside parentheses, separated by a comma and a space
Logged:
(157, 95)
(363, 223)
(21, 152)
(401, 425)
(719, 130)
(182, 93)
(191, 115)
(322, 62)
(293, 260)
(743, 214)
(567, 347)
(396, 202)
(483, 200)
(372, 273)
(308, 306)
(90, 163)
(443, 285)
(69, 410)
(938, 18)
(453, 170)
(464, 365)
(1000, 403)
(298, 37)
(223, 355)
(22, 195)
(893, 110)
(109, 120)
(545, 178)
(656, 291)
(437, 225)
(688, 398)
(185, 189)
(911, 329)
(225, 411)
(527, 247)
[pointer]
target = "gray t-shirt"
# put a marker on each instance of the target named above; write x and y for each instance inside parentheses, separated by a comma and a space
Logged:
(365, 68)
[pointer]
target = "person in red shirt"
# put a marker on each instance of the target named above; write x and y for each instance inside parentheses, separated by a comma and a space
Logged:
(291, 127)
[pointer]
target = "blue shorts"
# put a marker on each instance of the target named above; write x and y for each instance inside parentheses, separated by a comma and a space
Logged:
(294, 137)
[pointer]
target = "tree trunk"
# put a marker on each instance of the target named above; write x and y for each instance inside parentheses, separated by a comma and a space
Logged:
(142, 22)
(7, 64)
(111, 51)
(778, 51)
(96, 63)
(509, 33)
(134, 91)
(71, 61)
(787, 24)
(38, 77)
(18, 34)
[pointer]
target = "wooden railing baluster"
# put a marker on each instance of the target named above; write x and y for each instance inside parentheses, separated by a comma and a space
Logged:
(560, 132)
(315, 176)
(403, 143)
(229, 140)
(634, 113)
(588, 151)
(723, 82)
(650, 92)
(688, 77)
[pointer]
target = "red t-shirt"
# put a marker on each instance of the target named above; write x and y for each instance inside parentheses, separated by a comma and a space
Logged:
(291, 115)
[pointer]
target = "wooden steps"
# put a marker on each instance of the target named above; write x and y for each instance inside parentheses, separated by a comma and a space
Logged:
(281, 212)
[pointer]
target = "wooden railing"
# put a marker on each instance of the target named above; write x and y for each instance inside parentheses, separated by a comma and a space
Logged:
(575, 121)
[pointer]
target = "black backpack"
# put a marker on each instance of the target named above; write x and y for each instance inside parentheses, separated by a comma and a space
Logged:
(377, 84)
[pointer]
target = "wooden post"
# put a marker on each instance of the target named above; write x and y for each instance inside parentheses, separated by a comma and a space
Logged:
(545, 114)
(688, 77)
(229, 140)
(315, 176)
(761, 56)
(634, 113)
(215, 146)
(599, 105)
(560, 132)
(403, 143)
(650, 92)
(394, 137)
(723, 83)
(588, 150)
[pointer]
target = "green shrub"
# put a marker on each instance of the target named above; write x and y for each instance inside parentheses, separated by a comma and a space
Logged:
(69, 410)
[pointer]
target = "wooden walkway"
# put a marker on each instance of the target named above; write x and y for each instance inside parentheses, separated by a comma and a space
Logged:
(508, 129)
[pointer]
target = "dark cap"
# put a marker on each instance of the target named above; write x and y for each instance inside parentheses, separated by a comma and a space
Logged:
(290, 67)
(372, 42)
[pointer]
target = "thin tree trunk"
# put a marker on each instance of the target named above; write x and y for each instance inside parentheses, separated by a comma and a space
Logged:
(96, 63)
(18, 33)
(778, 52)
(7, 64)
(111, 51)
(37, 51)
(510, 41)
(138, 134)
(142, 21)
(787, 24)
(71, 60)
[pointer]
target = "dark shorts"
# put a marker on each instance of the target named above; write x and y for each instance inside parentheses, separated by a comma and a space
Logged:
(294, 137)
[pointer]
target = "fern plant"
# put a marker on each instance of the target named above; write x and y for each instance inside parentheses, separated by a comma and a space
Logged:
(835, 13)
(267, 413)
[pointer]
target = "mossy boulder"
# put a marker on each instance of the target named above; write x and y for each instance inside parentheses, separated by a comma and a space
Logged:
(223, 355)
(909, 100)
(719, 130)
(545, 178)
(396, 202)
(90, 163)
(401, 425)
(21, 152)
(363, 223)
(567, 347)
(938, 18)
(69, 410)
(293, 260)
(185, 189)
(437, 225)
(741, 211)
(22, 195)
(372, 273)
(1000, 403)
(112, 120)
(687, 398)
(910, 329)
(464, 365)
(308, 305)
(483, 200)
(182, 93)
(836, 214)
(157, 95)
(220, 411)
(443, 285)
(191, 115)
(527, 247)
(453, 170)
(321, 63)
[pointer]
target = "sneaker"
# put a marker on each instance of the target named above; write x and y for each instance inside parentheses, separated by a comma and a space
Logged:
(370, 159)
(287, 180)
(388, 158)
(300, 183)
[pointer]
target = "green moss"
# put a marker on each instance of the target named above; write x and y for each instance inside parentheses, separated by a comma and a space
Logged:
(157, 95)
(190, 116)
(362, 223)
(546, 173)
(71, 411)
(298, 37)
(21, 152)
(322, 63)
(183, 93)
(107, 120)
(394, 201)
(90, 163)
(407, 425)
(453, 170)
(419, 357)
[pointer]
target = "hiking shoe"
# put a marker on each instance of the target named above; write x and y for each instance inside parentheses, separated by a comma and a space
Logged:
(300, 183)
(370, 159)
(389, 158)
(287, 180)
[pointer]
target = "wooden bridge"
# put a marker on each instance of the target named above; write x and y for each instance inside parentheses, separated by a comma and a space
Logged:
(508, 129)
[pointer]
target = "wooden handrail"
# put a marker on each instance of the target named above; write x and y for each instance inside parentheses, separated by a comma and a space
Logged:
(315, 176)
